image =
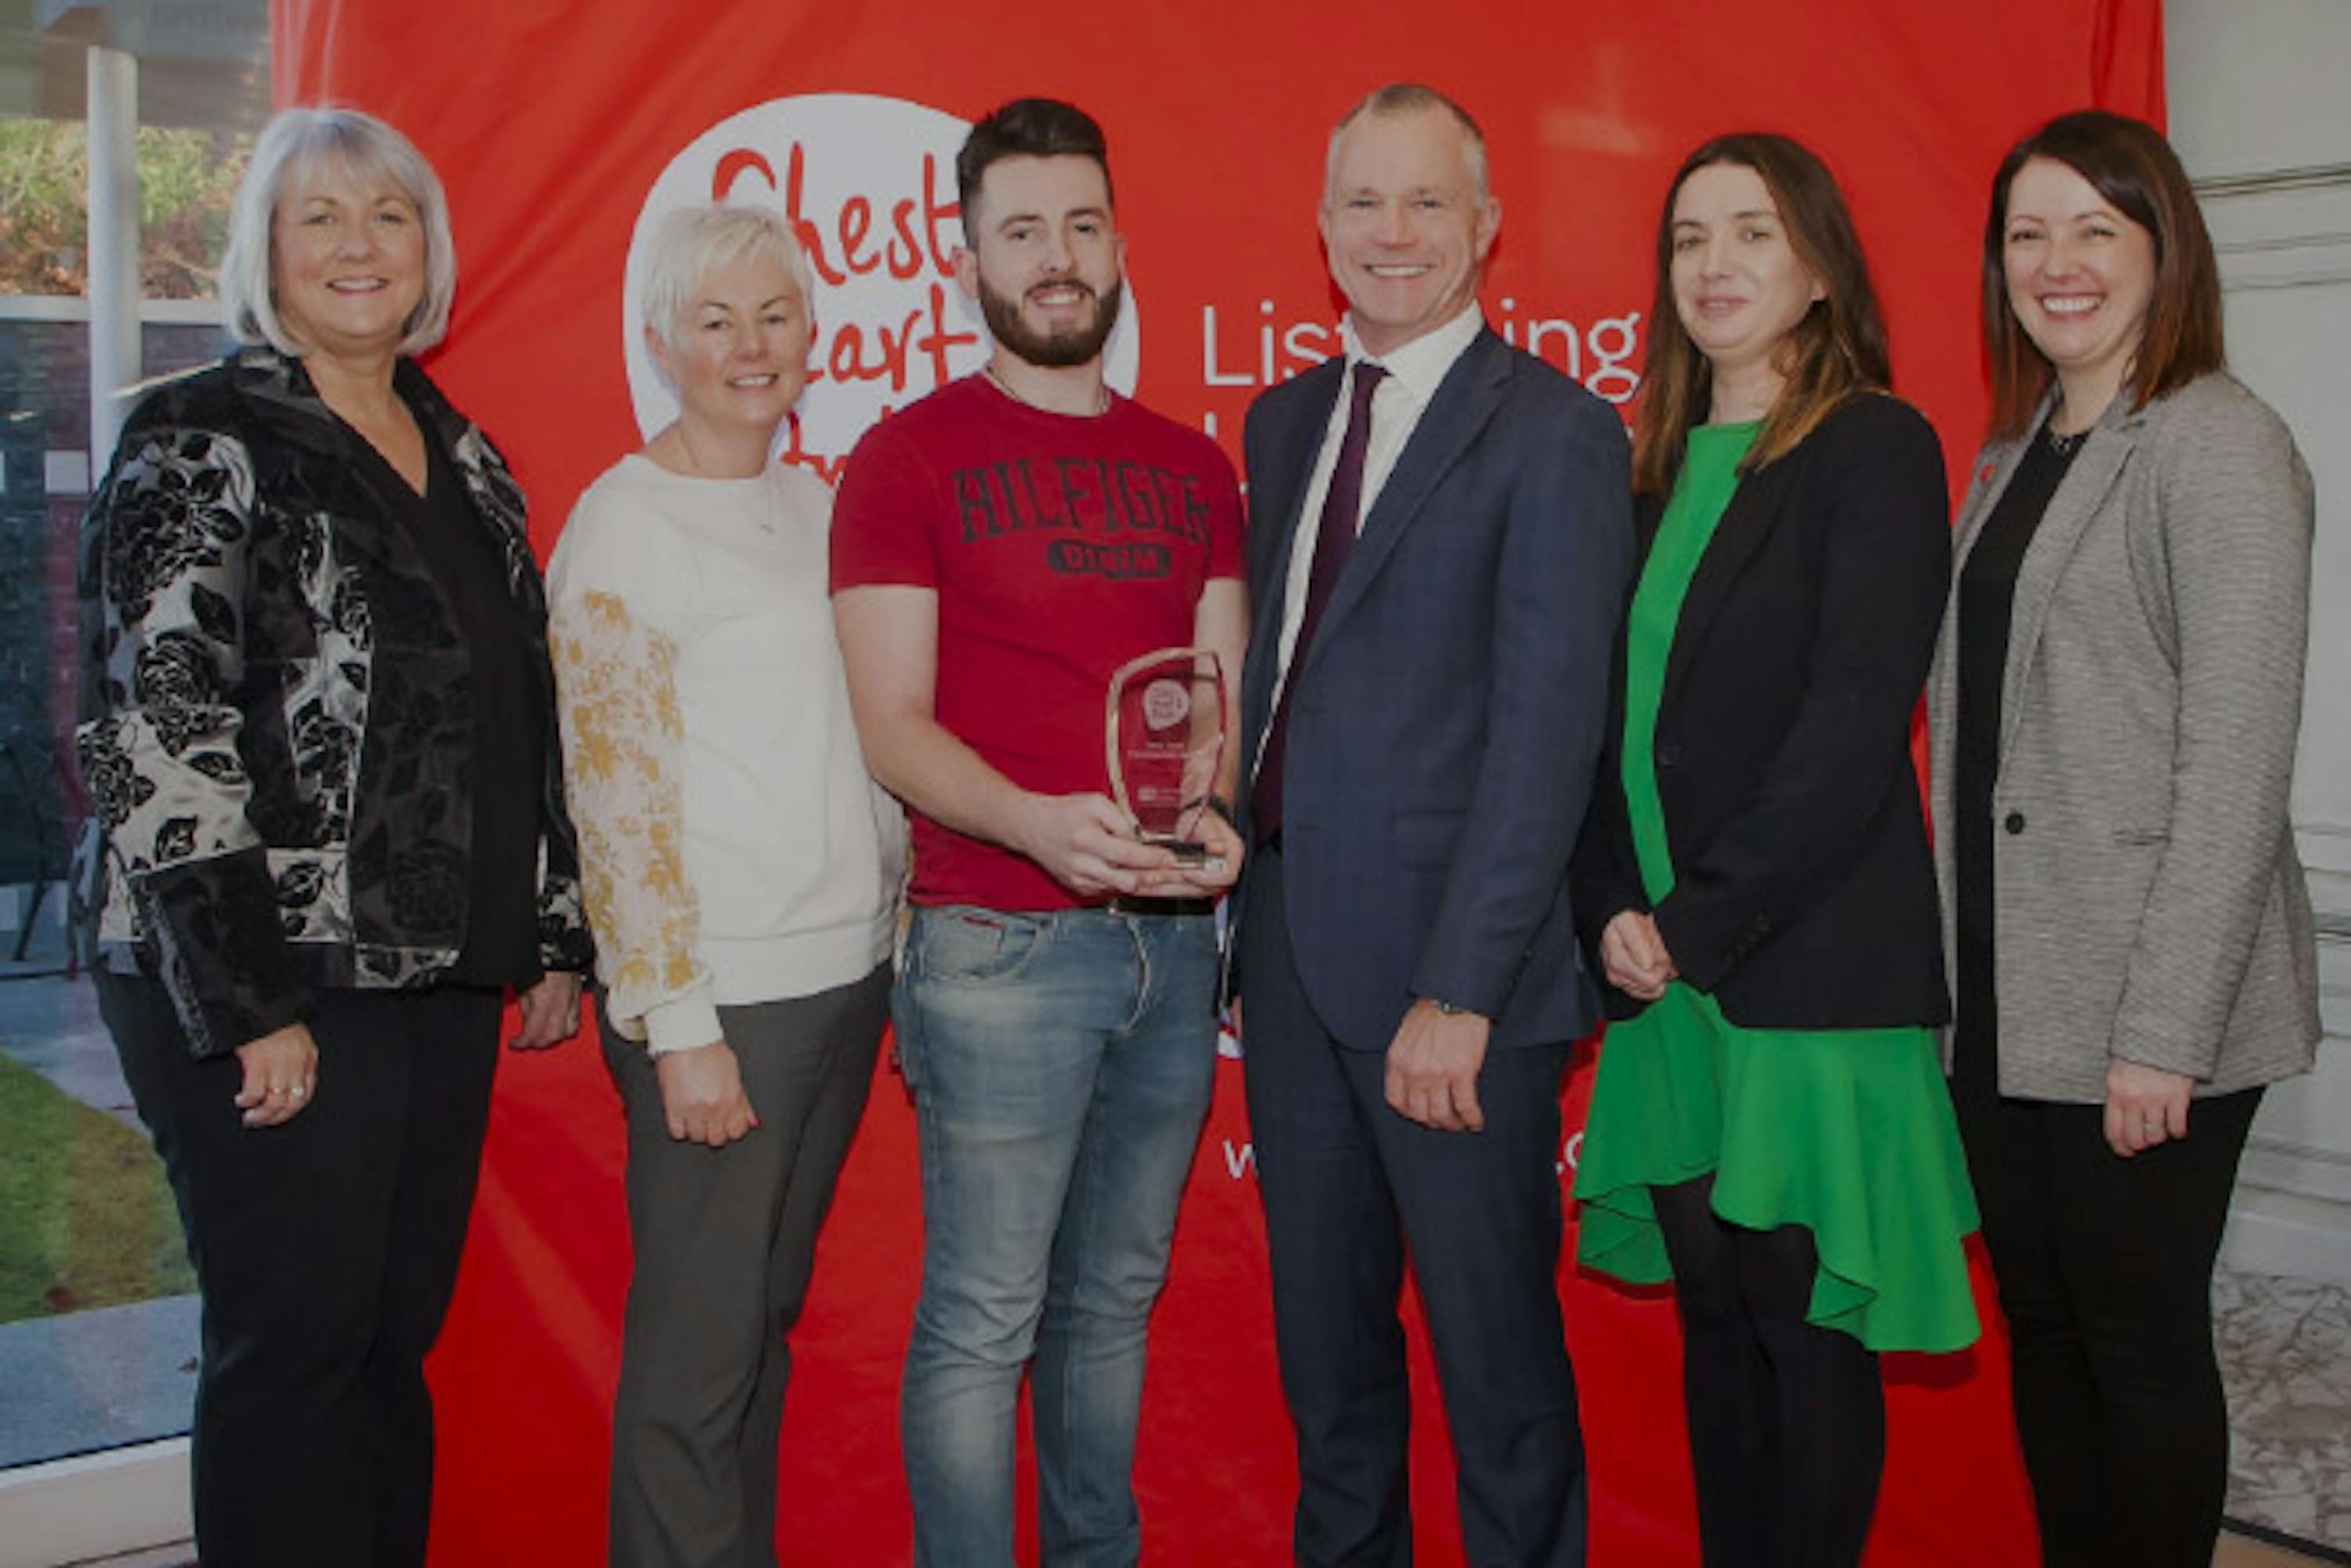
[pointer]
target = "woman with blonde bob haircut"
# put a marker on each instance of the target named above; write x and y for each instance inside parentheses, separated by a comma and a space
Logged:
(328, 835)
(371, 153)
(2114, 714)
(742, 874)
(1769, 1128)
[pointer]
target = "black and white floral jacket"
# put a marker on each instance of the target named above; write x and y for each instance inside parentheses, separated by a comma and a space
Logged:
(274, 732)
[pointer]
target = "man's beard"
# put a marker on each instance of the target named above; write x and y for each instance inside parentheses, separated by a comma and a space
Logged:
(1050, 350)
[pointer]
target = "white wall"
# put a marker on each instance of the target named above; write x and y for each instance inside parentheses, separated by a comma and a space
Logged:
(2260, 117)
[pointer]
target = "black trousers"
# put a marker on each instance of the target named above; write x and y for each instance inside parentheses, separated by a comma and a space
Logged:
(1787, 1419)
(2104, 1268)
(325, 1250)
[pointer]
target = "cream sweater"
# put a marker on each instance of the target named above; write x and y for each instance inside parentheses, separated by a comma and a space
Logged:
(733, 848)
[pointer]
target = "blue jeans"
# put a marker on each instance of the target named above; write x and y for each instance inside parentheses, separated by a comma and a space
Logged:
(1061, 1064)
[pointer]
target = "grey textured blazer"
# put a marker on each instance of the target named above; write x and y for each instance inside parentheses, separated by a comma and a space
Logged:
(2148, 902)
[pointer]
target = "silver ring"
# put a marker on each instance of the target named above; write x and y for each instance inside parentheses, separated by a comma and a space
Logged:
(298, 1092)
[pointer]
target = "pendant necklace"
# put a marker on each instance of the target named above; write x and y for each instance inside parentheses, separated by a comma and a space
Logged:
(765, 517)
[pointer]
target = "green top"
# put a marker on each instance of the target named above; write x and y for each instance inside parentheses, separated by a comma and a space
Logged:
(1702, 494)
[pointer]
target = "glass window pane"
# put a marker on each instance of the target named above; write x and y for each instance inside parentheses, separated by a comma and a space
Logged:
(98, 1323)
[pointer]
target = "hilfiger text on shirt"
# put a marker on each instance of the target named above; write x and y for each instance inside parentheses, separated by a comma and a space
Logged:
(1114, 518)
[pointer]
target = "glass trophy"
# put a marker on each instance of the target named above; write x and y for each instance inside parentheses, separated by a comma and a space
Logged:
(1165, 731)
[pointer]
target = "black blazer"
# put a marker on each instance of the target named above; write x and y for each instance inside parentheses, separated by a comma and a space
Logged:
(1804, 893)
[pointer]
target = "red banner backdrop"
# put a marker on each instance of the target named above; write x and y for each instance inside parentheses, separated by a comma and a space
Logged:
(559, 126)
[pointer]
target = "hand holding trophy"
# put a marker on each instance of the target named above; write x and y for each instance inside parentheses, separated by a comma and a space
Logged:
(1166, 732)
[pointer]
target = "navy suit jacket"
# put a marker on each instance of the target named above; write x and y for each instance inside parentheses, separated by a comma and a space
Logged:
(1445, 726)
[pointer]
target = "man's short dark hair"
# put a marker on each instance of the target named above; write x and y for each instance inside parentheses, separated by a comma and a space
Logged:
(1027, 128)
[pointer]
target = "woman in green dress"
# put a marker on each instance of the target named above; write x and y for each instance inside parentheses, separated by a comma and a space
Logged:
(1770, 1127)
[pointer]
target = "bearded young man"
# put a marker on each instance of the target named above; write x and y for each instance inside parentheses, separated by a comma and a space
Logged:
(1000, 549)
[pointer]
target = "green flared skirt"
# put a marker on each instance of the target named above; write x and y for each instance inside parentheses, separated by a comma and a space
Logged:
(1848, 1133)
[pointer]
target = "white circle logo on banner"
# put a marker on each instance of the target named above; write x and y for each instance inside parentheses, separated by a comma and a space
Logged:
(869, 185)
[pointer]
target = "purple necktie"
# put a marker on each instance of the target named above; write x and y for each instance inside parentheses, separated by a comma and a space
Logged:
(1334, 536)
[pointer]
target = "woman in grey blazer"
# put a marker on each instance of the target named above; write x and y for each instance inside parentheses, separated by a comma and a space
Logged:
(2113, 709)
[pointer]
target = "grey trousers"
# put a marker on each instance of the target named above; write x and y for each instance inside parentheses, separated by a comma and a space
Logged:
(724, 1239)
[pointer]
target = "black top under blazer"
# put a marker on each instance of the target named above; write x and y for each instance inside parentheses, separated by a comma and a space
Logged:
(1804, 894)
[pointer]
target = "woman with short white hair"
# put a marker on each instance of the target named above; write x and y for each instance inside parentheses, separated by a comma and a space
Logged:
(742, 876)
(327, 834)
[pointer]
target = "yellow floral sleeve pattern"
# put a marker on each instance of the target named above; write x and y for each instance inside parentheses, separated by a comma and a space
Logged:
(622, 737)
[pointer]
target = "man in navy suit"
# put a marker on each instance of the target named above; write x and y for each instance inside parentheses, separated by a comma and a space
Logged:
(1438, 553)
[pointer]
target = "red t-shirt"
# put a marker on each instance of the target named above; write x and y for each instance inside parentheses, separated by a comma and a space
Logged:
(1060, 547)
